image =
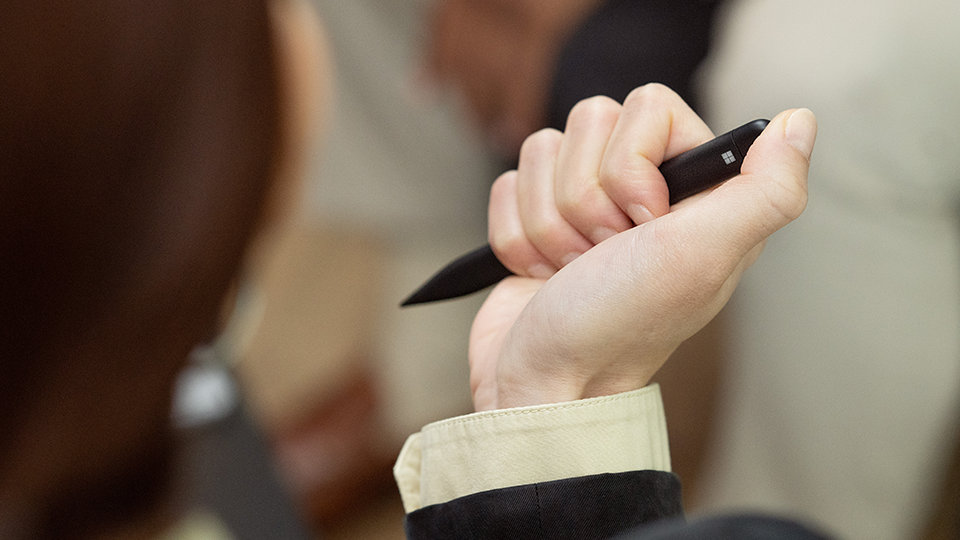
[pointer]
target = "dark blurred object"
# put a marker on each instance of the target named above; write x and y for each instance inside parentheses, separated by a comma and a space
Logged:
(226, 466)
(944, 521)
(740, 526)
(336, 460)
(138, 142)
(308, 368)
(627, 43)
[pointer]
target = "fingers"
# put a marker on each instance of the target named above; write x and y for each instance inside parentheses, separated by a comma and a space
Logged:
(543, 225)
(600, 177)
(506, 234)
(579, 196)
(655, 125)
(526, 230)
(607, 173)
(668, 278)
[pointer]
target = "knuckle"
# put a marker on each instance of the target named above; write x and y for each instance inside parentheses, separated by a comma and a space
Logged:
(572, 197)
(593, 107)
(544, 140)
(650, 94)
(618, 170)
(543, 233)
(502, 186)
(509, 246)
(506, 243)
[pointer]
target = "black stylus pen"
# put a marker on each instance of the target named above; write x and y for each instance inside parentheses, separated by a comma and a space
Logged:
(690, 172)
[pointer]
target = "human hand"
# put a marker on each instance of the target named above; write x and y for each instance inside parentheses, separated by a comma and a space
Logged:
(625, 296)
(500, 55)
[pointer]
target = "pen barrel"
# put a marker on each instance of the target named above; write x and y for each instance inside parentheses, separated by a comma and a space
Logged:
(710, 163)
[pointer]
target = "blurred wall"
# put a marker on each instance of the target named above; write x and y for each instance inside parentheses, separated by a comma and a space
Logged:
(844, 338)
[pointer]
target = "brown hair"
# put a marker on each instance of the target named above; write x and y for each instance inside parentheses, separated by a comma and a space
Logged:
(138, 141)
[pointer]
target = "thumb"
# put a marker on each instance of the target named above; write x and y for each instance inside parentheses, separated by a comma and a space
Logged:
(770, 192)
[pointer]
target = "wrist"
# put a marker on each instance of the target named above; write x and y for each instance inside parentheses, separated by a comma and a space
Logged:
(525, 393)
(526, 378)
(529, 386)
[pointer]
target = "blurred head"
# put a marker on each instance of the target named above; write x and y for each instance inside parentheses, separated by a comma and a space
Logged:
(140, 142)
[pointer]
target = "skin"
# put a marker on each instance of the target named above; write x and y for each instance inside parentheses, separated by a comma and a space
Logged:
(613, 313)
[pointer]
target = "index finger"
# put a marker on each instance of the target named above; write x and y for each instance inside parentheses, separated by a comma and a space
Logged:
(655, 124)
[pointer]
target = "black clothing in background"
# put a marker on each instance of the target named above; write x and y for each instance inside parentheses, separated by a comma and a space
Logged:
(227, 469)
(628, 43)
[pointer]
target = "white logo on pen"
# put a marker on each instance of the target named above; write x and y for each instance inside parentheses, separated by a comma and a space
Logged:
(728, 157)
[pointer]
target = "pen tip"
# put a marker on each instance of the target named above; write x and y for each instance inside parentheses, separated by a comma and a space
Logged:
(416, 298)
(468, 274)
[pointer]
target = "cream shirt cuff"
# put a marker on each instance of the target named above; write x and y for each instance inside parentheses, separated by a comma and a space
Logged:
(511, 447)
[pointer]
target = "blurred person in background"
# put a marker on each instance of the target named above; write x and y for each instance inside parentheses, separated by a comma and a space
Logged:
(519, 67)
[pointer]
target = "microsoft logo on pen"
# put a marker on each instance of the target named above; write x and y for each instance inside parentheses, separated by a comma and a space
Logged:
(728, 157)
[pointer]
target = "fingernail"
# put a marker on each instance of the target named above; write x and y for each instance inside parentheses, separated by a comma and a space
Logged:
(641, 214)
(540, 270)
(602, 233)
(801, 131)
(569, 258)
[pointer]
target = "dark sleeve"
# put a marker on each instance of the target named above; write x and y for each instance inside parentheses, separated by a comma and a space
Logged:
(627, 43)
(734, 526)
(597, 506)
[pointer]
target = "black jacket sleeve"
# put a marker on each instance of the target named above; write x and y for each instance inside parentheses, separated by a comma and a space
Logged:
(597, 506)
(638, 505)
